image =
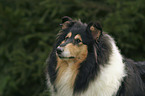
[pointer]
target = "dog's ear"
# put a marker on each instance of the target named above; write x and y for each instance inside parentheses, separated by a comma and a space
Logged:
(66, 18)
(66, 22)
(96, 30)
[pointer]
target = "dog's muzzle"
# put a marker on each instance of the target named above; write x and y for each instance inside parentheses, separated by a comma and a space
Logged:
(60, 52)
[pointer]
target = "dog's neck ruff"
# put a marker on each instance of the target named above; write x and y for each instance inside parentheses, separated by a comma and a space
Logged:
(106, 83)
(110, 77)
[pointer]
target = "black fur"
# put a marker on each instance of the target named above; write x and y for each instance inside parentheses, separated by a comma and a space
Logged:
(90, 68)
(133, 84)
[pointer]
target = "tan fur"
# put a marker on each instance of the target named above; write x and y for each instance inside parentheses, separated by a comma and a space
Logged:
(62, 42)
(78, 37)
(61, 66)
(69, 34)
(80, 53)
(95, 32)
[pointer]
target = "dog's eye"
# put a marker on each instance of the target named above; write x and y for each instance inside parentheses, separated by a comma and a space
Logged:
(77, 41)
(66, 38)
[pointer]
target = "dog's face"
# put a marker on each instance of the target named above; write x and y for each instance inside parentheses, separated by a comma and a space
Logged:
(72, 47)
(75, 42)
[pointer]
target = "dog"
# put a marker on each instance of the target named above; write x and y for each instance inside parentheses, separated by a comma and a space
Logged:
(85, 61)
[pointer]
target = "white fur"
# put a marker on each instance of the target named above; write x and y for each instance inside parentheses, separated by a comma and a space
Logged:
(106, 83)
(66, 53)
(63, 86)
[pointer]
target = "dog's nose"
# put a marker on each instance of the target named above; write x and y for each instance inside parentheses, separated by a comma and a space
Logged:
(59, 50)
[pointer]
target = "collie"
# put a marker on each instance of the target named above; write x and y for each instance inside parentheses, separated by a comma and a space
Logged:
(86, 62)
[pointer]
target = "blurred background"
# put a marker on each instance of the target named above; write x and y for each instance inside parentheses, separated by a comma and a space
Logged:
(28, 30)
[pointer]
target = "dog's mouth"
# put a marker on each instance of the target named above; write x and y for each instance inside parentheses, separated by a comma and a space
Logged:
(62, 57)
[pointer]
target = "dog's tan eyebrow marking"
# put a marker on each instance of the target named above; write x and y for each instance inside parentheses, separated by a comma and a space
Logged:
(62, 42)
(69, 34)
(78, 36)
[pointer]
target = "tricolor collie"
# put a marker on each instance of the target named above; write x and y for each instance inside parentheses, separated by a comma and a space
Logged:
(86, 62)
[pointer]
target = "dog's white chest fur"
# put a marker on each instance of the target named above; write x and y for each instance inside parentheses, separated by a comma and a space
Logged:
(63, 86)
(106, 84)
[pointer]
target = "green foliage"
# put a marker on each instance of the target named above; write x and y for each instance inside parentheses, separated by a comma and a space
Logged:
(126, 24)
(28, 30)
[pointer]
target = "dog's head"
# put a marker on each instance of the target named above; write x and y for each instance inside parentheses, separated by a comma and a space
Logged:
(76, 38)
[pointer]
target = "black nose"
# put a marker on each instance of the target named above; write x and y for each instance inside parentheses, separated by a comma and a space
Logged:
(59, 50)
